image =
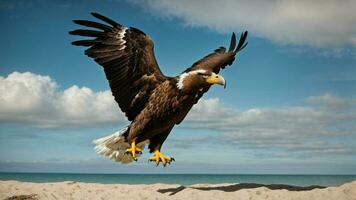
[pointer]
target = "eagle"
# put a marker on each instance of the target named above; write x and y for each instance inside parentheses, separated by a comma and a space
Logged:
(153, 102)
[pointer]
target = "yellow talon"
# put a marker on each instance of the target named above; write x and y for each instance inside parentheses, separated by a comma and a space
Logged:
(133, 150)
(159, 157)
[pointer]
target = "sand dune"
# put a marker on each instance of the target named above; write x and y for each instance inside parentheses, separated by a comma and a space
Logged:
(76, 190)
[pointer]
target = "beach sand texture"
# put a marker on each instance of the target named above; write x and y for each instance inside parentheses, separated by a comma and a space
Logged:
(77, 190)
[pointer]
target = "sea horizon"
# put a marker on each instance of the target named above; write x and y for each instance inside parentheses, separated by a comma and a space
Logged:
(184, 173)
(181, 178)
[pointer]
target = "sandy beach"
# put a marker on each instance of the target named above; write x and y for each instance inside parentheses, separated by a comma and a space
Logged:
(77, 190)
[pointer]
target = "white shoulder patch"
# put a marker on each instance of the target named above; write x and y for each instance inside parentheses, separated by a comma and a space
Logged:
(121, 38)
(180, 84)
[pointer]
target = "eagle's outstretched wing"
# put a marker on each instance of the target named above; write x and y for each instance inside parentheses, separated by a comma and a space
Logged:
(127, 56)
(220, 58)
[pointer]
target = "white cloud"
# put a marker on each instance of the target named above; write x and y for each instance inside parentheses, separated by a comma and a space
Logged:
(319, 23)
(38, 100)
(330, 101)
(300, 130)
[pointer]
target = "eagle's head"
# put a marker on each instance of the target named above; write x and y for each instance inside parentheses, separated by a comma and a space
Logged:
(195, 80)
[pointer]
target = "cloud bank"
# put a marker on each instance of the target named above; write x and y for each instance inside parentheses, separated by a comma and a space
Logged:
(320, 23)
(39, 101)
(326, 128)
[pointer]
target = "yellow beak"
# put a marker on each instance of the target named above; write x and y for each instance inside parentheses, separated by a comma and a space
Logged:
(216, 79)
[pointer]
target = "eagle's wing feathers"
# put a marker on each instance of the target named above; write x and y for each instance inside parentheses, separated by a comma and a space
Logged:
(220, 58)
(127, 56)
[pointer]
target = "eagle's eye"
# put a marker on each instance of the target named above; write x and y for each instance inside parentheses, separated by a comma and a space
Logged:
(204, 75)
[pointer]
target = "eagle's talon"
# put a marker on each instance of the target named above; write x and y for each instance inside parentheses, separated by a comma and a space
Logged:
(159, 157)
(133, 150)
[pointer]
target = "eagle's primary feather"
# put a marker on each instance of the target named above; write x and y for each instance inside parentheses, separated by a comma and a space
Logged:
(153, 102)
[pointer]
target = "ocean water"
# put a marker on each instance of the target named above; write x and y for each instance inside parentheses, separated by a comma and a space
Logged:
(182, 179)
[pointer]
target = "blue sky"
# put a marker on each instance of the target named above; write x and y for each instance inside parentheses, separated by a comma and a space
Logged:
(289, 106)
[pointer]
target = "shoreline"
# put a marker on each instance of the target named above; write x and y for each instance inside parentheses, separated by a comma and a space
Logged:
(81, 190)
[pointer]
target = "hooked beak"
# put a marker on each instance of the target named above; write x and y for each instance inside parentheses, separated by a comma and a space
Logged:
(216, 79)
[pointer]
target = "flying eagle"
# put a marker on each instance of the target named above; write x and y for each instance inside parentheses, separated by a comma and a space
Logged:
(152, 102)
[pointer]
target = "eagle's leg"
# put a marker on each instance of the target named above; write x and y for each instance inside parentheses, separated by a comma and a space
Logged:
(159, 157)
(133, 150)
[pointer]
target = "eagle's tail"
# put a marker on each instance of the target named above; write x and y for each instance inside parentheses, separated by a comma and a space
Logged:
(114, 146)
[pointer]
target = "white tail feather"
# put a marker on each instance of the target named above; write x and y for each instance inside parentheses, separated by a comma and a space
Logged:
(114, 147)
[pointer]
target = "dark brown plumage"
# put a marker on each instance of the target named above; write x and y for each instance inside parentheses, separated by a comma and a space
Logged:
(153, 102)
